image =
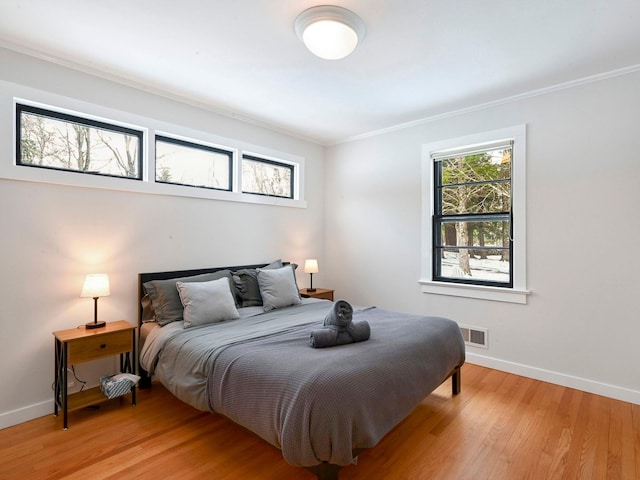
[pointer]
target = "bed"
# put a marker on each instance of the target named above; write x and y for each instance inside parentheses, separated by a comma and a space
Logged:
(318, 406)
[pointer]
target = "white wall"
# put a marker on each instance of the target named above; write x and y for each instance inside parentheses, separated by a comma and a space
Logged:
(581, 326)
(52, 235)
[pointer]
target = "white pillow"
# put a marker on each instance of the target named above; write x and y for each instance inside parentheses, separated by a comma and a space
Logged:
(278, 287)
(207, 302)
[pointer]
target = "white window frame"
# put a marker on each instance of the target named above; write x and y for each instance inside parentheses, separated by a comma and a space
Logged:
(516, 294)
(11, 94)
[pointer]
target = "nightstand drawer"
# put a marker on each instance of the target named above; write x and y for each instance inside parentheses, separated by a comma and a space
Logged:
(99, 346)
(321, 293)
(324, 295)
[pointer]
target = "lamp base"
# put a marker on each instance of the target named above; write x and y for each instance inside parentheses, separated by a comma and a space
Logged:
(311, 289)
(99, 324)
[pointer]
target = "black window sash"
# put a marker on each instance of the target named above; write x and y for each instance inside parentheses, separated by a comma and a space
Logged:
(439, 219)
(196, 146)
(278, 164)
(65, 117)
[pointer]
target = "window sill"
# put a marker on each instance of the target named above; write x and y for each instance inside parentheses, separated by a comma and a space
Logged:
(77, 179)
(510, 295)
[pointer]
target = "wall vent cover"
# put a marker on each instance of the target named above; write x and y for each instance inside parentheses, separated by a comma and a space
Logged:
(475, 336)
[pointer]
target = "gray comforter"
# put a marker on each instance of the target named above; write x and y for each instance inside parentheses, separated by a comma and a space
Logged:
(313, 404)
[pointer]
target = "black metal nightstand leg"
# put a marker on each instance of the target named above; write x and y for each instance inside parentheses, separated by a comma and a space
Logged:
(57, 378)
(65, 396)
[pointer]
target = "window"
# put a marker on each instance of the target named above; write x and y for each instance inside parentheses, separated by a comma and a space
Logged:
(474, 226)
(267, 177)
(472, 216)
(59, 141)
(186, 163)
(65, 141)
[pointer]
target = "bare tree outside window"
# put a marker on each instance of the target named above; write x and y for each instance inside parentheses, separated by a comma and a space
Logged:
(192, 164)
(266, 177)
(127, 157)
(37, 141)
(63, 142)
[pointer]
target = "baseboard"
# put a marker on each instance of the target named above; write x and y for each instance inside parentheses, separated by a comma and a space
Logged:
(586, 385)
(21, 415)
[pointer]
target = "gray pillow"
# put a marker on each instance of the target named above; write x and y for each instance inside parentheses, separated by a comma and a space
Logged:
(207, 302)
(247, 283)
(165, 299)
(278, 287)
(147, 309)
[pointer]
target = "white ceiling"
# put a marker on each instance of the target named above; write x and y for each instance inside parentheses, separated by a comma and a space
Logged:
(419, 58)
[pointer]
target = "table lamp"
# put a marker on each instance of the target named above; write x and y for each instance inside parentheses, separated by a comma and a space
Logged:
(311, 267)
(96, 285)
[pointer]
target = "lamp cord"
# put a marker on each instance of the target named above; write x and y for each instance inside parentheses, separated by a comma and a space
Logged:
(73, 371)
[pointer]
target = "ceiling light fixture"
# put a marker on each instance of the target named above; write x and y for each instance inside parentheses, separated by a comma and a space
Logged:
(330, 32)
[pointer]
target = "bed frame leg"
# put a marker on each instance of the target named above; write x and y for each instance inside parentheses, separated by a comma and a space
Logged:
(456, 381)
(145, 379)
(325, 471)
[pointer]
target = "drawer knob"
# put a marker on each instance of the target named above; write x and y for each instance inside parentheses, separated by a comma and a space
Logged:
(104, 345)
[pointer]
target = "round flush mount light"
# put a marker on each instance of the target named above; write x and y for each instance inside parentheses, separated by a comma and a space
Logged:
(330, 32)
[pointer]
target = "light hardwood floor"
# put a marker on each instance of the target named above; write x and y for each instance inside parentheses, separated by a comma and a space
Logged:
(501, 426)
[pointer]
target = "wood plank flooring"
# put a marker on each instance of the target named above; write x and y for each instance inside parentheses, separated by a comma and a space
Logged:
(501, 426)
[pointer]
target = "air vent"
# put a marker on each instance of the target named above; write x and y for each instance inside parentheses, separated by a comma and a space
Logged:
(474, 336)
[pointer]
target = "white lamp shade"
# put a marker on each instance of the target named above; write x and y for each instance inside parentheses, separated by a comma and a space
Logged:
(96, 285)
(330, 32)
(311, 266)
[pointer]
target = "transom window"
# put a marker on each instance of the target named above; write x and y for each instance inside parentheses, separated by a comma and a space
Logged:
(472, 238)
(186, 163)
(80, 144)
(59, 141)
(261, 176)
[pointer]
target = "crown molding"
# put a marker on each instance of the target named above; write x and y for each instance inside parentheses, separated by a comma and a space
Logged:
(483, 106)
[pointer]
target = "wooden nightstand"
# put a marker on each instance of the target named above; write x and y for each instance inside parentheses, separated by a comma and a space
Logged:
(323, 293)
(79, 345)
